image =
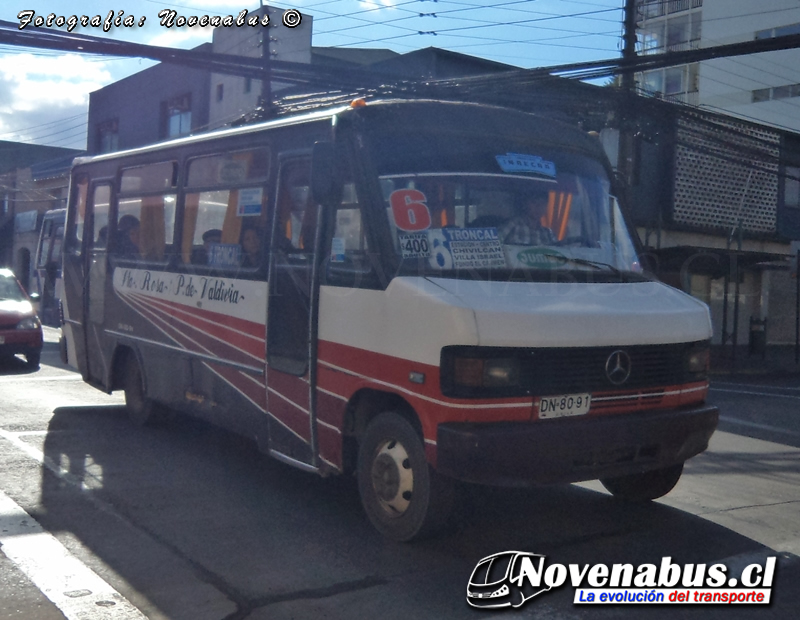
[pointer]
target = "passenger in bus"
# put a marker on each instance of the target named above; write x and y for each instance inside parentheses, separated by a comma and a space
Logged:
(102, 238)
(200, 256)
(251, 244)
(128, 237)
(527, 227)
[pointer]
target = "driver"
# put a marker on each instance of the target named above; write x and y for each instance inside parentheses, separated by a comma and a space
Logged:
(527, 228)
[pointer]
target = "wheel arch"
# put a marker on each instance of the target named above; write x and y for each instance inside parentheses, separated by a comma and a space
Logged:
(361, 409)
(119, 360)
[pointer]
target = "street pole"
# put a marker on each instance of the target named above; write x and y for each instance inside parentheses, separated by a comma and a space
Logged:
(629, 45)
(625, 163)
(266, 81)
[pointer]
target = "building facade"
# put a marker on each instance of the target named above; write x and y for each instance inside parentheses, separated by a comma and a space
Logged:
(232, 96)
(161, 102)
(763, 88)
(37, 183)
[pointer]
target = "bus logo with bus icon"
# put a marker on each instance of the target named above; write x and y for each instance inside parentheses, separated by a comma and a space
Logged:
(499, 580)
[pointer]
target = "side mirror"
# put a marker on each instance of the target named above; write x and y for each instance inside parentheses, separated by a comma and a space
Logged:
(326, 178)
(36, 300)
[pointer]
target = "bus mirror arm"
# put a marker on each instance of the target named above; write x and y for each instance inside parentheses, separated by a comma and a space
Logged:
(326, 175)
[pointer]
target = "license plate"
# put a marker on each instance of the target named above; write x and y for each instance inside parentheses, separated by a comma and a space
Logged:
(564, 405)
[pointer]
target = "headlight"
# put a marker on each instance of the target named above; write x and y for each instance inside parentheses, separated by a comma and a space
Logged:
(31, 322)
(698, 361)
(491, 372)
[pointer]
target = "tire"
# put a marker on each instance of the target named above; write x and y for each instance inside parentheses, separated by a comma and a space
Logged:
(645, 486)
(402, 495)
(33, 358)
(141, 409)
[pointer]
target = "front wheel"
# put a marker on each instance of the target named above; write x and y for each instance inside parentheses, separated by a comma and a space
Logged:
(141, 409)
(402, 495)
(645, 486)
(33, 358)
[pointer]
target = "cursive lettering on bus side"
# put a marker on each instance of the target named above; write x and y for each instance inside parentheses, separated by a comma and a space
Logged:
(128, 281)
(185, 288)
(153, 284)
(215, 289)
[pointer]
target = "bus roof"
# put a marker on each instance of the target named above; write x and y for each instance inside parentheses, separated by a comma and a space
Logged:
(411, 112)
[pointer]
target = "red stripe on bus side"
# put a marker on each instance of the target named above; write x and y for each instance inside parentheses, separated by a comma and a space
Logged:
(242, 383)
(247, 342)
(226, 346)
(252, 328)
(293, 388)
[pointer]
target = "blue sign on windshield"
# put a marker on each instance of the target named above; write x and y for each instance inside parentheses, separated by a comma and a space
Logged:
(518, 162)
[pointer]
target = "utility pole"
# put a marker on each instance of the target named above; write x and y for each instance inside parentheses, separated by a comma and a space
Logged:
(625, 163)
(266, 81)
(629, 44)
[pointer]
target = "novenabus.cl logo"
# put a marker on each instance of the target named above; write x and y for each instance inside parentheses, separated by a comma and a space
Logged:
(499, 580)
(511, 578)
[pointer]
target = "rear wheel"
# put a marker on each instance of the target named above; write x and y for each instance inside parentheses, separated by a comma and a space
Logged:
(645, 486)
(141, 409)
(402, 495)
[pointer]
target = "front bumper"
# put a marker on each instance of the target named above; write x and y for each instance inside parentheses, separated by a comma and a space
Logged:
(572, 449)
(22, 341)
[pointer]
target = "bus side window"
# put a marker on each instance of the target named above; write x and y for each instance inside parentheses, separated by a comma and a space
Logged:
(145, 227)
(101, 202)
(349, 233)
(296, 223)
(203, 223)
(77, 216)
(225, 215)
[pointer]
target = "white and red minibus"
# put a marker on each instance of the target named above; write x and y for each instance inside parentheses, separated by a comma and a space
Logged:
(342, 286)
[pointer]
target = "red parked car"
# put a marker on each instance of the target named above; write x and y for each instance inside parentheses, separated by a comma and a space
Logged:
(20, 328)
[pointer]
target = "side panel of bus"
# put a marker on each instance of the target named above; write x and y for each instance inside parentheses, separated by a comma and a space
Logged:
(185, 306)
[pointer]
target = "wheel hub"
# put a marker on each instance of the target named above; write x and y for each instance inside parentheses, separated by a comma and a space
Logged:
(392, 478)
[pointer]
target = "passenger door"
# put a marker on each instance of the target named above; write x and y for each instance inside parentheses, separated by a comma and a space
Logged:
(292, 317)
(74, 270)
(97, 280)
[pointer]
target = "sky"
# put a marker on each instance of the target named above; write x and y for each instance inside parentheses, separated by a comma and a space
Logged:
(44, 95)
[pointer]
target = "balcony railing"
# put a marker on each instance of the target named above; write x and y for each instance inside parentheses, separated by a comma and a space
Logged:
(649, 9)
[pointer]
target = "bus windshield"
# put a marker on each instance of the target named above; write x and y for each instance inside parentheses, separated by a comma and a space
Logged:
(473, 205)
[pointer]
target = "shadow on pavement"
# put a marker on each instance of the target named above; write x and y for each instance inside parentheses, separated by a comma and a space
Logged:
(183, 510)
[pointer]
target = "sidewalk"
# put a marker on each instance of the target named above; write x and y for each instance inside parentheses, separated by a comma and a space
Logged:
(779, 361)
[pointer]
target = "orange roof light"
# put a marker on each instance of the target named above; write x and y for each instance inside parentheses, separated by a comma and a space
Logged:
(358, 103)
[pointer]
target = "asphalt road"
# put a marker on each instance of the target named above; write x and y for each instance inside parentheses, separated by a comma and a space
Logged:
(184, 521)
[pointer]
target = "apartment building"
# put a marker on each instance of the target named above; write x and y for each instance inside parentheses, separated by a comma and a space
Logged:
(764, 88)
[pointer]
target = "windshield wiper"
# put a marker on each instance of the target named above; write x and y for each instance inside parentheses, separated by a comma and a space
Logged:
(592, 263)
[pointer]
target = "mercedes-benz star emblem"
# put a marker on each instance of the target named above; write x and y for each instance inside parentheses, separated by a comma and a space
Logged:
(618, 367)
